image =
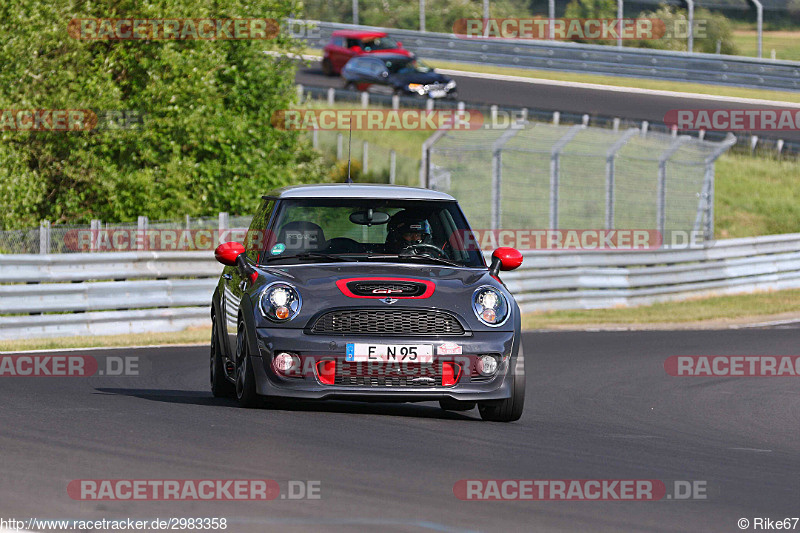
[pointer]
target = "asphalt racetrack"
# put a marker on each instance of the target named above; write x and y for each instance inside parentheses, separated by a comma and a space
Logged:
(548, 97)
(599, 406)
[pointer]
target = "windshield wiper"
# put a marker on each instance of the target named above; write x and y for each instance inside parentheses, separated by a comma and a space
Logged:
(416, 256)
(308, 255)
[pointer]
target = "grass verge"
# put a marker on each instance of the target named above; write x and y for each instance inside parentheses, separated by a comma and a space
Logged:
(189, 336)
(716, 311)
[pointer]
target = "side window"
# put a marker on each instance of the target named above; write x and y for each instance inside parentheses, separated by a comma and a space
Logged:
(337, 41)
(353, 42)
(376, 67)
(255, 240)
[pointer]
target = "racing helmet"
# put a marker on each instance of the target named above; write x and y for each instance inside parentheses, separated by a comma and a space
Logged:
(409, 228)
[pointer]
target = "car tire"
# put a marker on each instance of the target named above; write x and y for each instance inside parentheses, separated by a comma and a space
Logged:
(245, 377)
(327, 67)
(510, 409)
(449, 404)
(221, 387)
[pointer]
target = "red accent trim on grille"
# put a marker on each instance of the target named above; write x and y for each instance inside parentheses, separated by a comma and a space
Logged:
(326, 371)
(429, 287)
(451, 372)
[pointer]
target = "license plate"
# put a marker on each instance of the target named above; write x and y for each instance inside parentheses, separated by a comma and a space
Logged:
(437, 94)
(409, 353)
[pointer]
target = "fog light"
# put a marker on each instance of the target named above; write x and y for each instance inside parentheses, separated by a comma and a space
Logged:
(487, 365)
(285, 363)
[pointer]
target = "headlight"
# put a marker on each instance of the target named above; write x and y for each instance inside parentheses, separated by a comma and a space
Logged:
(416, 87)
(280, 302)
(450, 85)
(490, 306)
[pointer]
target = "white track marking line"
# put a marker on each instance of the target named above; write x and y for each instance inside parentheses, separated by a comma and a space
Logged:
(616, 89)
(97, 348)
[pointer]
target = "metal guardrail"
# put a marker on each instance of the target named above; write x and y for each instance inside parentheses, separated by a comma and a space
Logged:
(587, 58)
(66, 295)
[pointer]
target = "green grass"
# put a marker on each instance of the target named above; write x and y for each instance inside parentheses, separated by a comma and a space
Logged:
(756, 196)
(715, 311)
(785, 43)
(189, 336)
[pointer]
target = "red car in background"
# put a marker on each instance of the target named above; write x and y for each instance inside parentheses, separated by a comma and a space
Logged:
(346, 44)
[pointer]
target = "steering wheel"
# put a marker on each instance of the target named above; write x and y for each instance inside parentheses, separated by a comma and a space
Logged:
(432, 247)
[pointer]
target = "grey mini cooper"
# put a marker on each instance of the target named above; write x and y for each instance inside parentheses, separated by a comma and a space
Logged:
(366, 292)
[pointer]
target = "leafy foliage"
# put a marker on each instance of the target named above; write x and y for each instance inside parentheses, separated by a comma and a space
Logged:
(205, 145)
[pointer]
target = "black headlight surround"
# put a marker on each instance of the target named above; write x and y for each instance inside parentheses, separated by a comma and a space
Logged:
(268, 309)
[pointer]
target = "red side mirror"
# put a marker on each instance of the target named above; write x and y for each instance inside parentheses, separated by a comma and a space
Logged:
(227, 253)
(505, 258)
(399, 44)
(355, 49)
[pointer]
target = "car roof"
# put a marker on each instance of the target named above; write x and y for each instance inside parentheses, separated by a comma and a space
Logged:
(358, 190)
(358, 34)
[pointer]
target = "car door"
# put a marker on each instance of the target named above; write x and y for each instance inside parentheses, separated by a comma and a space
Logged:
(235, 284)
(337, 53)
(379, 76)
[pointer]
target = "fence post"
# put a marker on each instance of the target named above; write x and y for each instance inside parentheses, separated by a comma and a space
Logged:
(141, 234)
(425, 160)
(497, 176)
(365, 157)
(392, 166)
(645, 125)
(611, 156)
(95, 228)
(555, 171)
(44, 237)
(708, 232)
(395, 101)
(299, 93)
(429, 104)
(556, 118)
(364, 99)
(661, 190)
(339, 143)
(331, 96)
(223, 226)
(315, 138)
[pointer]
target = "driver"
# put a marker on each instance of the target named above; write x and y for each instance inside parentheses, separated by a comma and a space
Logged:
(406, 230)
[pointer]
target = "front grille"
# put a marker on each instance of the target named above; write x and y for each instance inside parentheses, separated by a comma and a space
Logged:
(386, 288)
(401, 322)
(376, 374)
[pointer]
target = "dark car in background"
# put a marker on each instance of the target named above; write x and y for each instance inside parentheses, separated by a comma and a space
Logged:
(347, 44)
(366, 292)
(391, 73)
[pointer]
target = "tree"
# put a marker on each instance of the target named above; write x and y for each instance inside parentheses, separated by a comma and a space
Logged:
(205, 144)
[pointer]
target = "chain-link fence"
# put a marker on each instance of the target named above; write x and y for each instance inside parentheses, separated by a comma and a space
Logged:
(187, 234)
(550, 176)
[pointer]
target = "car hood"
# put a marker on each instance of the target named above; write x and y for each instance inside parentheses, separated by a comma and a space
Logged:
(316, 283)
(420, 77)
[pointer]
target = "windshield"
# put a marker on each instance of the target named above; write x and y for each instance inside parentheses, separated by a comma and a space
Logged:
(379, 43)
(406, 66)
(366, 230)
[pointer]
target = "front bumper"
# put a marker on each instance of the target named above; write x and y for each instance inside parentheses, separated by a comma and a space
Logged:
(470, 386)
